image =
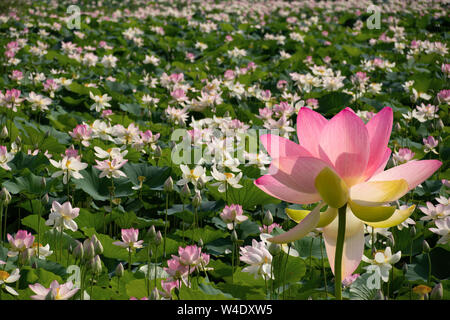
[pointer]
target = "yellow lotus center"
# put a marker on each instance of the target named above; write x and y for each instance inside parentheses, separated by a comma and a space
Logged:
(4, 275)
(193, 175)
(57, 297)
(109, 150)
(422, 289)
(228, 175)
(68, 163)
(266, 260)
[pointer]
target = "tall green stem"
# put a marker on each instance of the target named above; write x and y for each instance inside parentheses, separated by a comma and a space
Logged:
(165, 224)
(339, 252)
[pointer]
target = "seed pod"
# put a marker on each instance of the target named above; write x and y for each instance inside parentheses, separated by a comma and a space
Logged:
(119, 270)
(274, 249)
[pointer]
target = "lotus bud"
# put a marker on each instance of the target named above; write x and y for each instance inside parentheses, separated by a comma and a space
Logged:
(425, 246)
(97, 266)
(440, 124)
(158, 152)
(98, 248)
(412, 231)
(5, 196)
(185, 192)
(168, 185)
(200, 242)
(234, 236)
(268, 218)
(43, 183)
(154, 295)
(398, 127)
(151, 234)
(4, 134)
(45, 198)
(158, 238)
(78, 252)
(197, 200)
(405, 268)
(437, 293)
(274, 249)
(119, 270)
(89, 250)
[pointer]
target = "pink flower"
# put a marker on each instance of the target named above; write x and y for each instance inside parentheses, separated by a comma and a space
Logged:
(11, 99)
(445, 68)
(232, 215)
(229, 74)
(179, 95)
(340, 162)
(228, 38)
(443, 96)
(265, 113)
(176, 77)
(282, 84)
(167, 287)
(430, 144)
(82, 133)
(22, 241)
(110, 168)
(72, 153)
(106, 113)
(143, 298)
(55, 292)
(189, 256)
(403, 155)
(269, 229)
(16, 75)
(313, 103)
(129, 239)
(350, 279)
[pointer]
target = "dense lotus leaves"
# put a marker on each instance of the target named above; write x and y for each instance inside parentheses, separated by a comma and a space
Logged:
(30, 184)
(99, 188)
(154, 176)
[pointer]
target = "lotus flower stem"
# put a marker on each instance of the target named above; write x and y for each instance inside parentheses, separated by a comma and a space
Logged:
(4, 222)
(1, 222)
(323, 267)
(339, 251)
(310, 257)
(165, 223)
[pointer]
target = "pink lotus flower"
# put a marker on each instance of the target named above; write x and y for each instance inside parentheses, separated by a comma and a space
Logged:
(232, 215)
(167, 287)
(340, 162)
(189, 256)
(82, 133)
(55, 292)
(129, 239)
(269, 229)
(22, 241)
(403, 155)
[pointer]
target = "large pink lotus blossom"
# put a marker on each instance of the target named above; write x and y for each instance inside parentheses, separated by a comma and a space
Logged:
(340, 162)
(56, 291)
(22, 241)
(129, 239)
(82, 133)
(232, 215)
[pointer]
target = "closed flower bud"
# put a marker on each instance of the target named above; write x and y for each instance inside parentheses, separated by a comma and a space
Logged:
(4, 134)
(151, 234)
(45, 198)
(437, 293)
(200, 242)
(5, 196)
(158, 152)
(412, 231)
(168, 185)
(425, 246)
(185, 192)
(98, 248)
(25, 256)
(405, 268)
(97, 266)
(268, 218)
(398, 127)
(440, 124)
(158, 238)
(154, 295)
(119, 270)
(78, 252)
(43, 183)
(197, 200)
(89, 250)
(200, 183)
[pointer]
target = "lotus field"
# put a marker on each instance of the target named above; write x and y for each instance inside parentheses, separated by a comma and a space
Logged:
(224, 150)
